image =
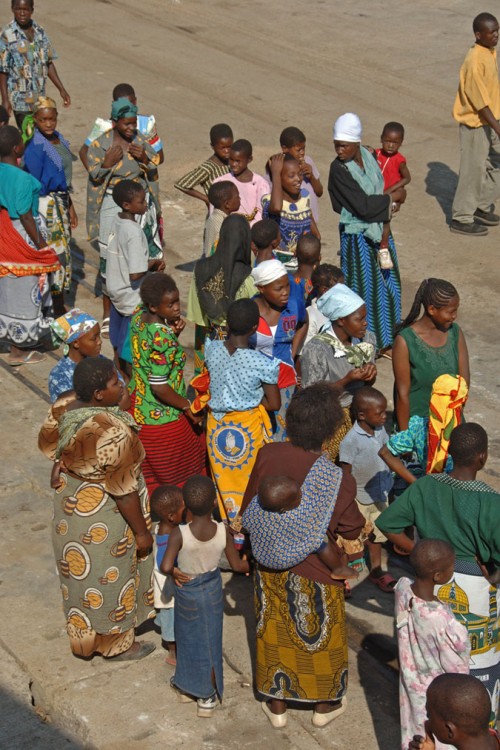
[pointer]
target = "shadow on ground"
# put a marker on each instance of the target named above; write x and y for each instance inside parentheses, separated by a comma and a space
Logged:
(441, 182)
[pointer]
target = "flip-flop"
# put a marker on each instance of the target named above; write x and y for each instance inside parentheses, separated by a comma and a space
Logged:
(385, 582)
(105, 328)
(145, 648)
(32, 358)
(171, 660)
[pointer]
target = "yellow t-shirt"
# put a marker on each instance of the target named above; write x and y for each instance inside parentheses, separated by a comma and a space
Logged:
(478, 87)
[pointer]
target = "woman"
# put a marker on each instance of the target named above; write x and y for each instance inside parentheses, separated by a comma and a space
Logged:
(175, 446)
(426, 348)
(218, 281)
(25, 259)
(120, 153)
(459, 509)
(343, 353)
(48, 158)
(356, 188)
(301, 633)
(101, 529)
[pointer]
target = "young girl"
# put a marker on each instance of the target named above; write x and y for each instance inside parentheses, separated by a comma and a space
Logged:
(293, 141)
(199, 602)
(430, 640)
(282, 329)
(243, 384)
(80, 334)
(48, 158)
(251, 186)
(289, 205)
(427, 347)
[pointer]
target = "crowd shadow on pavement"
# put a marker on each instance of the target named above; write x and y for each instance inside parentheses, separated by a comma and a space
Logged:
(379, 682)
(21, 728)
(441, 182)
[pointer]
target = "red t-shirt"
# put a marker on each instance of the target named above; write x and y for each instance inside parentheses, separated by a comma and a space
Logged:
(389, 166)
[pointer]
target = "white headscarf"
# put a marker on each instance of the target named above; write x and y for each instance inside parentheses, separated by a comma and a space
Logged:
(348, 128)
(268, 271)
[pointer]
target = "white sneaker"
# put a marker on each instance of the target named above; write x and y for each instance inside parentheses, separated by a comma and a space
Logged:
(206, 706)
(384, 259)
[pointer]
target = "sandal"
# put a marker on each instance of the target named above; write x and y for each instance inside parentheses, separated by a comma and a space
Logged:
(105, 328)
(32, 358)
(138, 650)
(385, 582)
(347, 590)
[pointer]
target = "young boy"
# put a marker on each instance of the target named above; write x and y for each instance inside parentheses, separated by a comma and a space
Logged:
(221, 140)
(251, 186)
(308, 256)
(477, 111)
(359, 455)
(290, 543)
(392, 164)
(293, 141)
(266, 238)
(225, 199)
(323, 278)
(430, 640)
(126, 264)
(458, 710)
(167, 504)
(197, 547)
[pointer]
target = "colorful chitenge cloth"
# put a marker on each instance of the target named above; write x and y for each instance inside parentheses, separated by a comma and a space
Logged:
(448, 398)
(233, 444)
(301, 638)
(17, 258)
(283, 540)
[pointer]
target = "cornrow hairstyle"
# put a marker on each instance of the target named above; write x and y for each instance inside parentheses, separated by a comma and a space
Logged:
(435, 292)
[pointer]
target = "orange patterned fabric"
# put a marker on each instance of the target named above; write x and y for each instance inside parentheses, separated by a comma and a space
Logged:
(448, 398)
(17, 257)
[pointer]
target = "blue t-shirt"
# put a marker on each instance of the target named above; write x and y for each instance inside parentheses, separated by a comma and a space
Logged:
(161, 547)
(372, 475)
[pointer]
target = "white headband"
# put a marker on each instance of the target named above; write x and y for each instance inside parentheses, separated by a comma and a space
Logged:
(268, 271)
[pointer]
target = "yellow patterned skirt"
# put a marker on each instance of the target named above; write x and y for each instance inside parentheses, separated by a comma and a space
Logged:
(301, 638)
(332, 446)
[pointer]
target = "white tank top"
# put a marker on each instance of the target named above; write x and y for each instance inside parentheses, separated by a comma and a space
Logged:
(197, 557)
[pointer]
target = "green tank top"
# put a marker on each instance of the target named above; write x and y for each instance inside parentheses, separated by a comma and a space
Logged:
(426, 364)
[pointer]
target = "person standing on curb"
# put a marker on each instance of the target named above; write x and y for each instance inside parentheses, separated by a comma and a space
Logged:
(477, 110)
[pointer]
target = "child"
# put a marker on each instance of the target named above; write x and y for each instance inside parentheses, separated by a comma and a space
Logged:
(266, 238)
(126, 264)
(243, 385)
(392, 164)
(221, 140)
(477, 111)
(4, 116)
(293, 141)
(81, 335)
(430, 640)
(146, 124)
(289, 205)
(323, 278)
(299, 518)
(359, 455)
(281, 330)
(308, 257)
(225, 199)
(251, 187)
(167, 503)
(199, 603)
(458, 707)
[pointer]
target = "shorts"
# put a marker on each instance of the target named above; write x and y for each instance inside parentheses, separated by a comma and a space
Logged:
(165, 620)
(119, 333)
(371, 512)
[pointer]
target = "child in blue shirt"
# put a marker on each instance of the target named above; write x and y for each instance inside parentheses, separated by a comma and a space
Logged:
(167, 504)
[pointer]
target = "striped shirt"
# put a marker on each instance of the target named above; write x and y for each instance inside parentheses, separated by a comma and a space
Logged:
(203, 175)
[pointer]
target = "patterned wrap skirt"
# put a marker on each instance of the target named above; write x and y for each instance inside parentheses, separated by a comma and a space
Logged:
(301, 638)
(381, 290)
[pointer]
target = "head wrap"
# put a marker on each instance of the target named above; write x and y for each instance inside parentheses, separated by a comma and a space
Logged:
(123, 107)
(28, 124)
(339, 302)
(348, 128)
(70, 327)
(268, 271)
(219, 276)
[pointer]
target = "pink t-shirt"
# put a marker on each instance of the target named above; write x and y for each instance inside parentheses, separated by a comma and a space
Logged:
(250, 195)
(389, 166)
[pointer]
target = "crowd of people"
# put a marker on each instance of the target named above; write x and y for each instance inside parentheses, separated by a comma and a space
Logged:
(275, 457)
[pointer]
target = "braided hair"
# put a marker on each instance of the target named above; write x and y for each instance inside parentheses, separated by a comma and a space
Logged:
(435, 292)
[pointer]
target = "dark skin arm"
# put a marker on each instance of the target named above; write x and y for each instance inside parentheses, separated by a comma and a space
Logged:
(83, 156)
(195, 194)
(396, 465)
(405, 179)
(275, 167)
(463, 358)
(238, 564)
(401, 540)
(271, 401)
(489, 118)
(4, 92)
(167, 395)
(54, 77)
(402, 377)
(316, 185)
(130, 507)
(31, 228)
(314, 229)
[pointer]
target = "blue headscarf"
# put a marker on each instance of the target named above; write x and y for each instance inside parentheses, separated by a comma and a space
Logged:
(339, 302)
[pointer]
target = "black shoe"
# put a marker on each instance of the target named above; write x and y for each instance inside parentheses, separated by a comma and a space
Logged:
(472, 230)
(486, 217)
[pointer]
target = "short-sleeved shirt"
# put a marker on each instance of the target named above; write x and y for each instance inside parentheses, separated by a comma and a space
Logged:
(26, 64)
(478, 87)
(146, 125)
(61, 377)
(277, 342)
(389, 166)
(250, 195)
(236, 379)
(294, 220)
(19, 191)
(157, 359)
(127, 253)
(360, 450)
(202, 176)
